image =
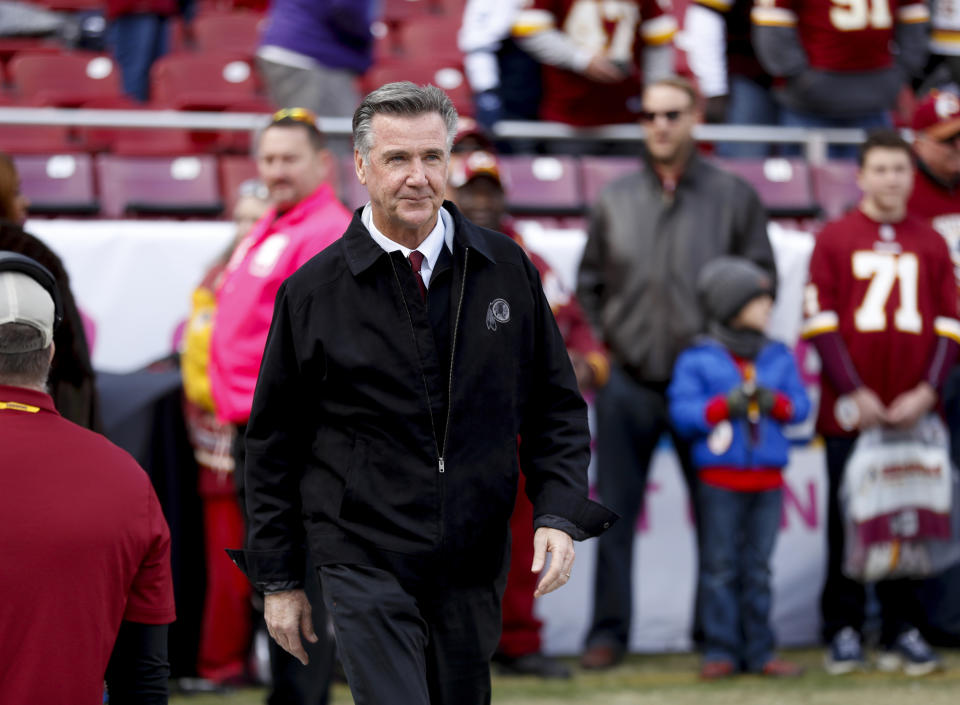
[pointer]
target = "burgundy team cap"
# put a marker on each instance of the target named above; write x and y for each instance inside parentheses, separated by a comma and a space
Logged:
(938, 116)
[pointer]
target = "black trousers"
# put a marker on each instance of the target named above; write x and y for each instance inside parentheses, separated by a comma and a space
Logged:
(413, 639)
(843, 601)
(294, 683)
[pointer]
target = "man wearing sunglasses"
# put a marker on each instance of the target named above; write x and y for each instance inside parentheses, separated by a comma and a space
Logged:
(306, 217)
(649, 235)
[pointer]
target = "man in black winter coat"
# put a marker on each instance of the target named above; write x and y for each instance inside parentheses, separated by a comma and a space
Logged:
(411, 368)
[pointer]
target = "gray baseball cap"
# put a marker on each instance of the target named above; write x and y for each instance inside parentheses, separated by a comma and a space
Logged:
(24, 300)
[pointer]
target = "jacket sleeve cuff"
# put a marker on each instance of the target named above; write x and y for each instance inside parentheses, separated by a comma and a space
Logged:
(551, 521)
(590, 518)
(271, 571)
(782, 408)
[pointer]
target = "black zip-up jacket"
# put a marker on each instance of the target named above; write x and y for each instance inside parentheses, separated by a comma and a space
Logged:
(361, 445)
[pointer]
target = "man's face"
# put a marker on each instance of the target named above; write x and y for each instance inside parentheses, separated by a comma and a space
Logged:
(941, 156)
(668, 118)
(405, 173)
(886, 178)
(482, 201)
(289, 165)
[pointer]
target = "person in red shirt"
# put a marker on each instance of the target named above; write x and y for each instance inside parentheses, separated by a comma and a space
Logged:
(85, 555)
(881, 309)
(479, 193)
(842, 64)
(596, 55)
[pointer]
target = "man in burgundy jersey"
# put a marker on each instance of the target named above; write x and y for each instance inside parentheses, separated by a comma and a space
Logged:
(881, 309)
(843, 62)
(591, 51)
(479, 194)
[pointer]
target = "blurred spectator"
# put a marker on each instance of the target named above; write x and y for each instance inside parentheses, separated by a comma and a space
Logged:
(306, 217)
(72, 380)
(312, 51)
(226, 631)
(733, 414)
(505, 79)
(139, 32)
(944, 64)
(885, 355)
(480, 197)
(593, 70)
(736, 89)
(650, 233)
(936, 187)
(85, 557)
(843, 64)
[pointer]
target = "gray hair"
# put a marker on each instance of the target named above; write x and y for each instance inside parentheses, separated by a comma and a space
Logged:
(403, 99)
(23, 369)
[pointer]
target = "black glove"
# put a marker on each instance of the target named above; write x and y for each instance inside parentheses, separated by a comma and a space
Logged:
(737, 403)
(766, 398)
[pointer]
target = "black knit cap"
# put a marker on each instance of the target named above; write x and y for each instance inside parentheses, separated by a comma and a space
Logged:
(727, 284)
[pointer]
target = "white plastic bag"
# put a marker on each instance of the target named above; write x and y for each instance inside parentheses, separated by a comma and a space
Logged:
(899, 497)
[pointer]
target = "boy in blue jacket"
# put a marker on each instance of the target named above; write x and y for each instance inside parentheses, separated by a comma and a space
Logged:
(731, 393)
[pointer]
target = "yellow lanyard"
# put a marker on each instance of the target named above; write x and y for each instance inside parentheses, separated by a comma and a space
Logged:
(17, 406)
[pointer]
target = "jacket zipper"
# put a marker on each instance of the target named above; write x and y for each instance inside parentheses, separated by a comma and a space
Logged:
(453, 350)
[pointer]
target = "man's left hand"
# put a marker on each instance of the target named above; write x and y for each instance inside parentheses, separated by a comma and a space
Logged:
(910, 407)
(560, 547)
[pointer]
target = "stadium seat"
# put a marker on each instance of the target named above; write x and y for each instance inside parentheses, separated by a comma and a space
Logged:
(235, 33)
(597, 172)
(784, 185)
(201, 82)
(432, 36)
(60, 184)
(11, 46)
(399, 11)
(447, 73)
(63, 80)
(158, 186)
(143, 142)
(35, 139)
(234, 170)
(544, 185)
(352, 192)
(71, 5)
(835, 187)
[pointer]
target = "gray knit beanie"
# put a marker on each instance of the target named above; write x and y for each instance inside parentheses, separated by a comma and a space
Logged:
(727, 284)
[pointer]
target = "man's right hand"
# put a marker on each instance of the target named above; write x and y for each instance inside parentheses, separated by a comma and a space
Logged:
(871, 409)
(602, 70)
(287, 614)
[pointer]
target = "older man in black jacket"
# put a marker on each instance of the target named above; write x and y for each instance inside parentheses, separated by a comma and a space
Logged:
(404, 365)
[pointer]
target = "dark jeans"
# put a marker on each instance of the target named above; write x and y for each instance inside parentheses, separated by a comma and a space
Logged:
(630, 420)
(138, 40)
(294, 683)
(419, 640)
(843, 601)
(739, 533)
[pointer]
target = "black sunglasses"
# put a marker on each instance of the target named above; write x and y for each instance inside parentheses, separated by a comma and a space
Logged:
(670, 115)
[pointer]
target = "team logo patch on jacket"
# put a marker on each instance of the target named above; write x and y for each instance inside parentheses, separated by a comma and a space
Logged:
(497, 312)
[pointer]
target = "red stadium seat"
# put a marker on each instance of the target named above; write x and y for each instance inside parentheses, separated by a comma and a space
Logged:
(398, 11)
(352, 192)
(835, 187)
(234, 170)
(32, 139)
(142, 142)
(447, 73)
(228, 33)
(159, 186)
(61, 184)
(11, 46)
(547, 185)
(71, 5)
(431, 36)
(784, 185)
(599, 171)
(64, 80)
(201, 82)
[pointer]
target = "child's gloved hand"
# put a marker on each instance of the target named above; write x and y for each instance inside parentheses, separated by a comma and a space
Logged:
(766, 398)
(737, 403)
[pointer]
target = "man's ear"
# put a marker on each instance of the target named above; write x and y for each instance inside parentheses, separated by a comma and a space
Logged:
(358, 166)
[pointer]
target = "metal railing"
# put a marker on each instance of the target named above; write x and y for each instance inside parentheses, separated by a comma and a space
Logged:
(814, 142)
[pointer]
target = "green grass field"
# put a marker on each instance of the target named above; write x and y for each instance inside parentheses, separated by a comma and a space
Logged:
(671, 680)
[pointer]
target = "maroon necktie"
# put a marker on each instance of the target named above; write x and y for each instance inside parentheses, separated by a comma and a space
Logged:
(416, 260)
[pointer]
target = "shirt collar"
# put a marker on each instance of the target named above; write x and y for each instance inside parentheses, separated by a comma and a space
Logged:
(430, 248)
(29, 398)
